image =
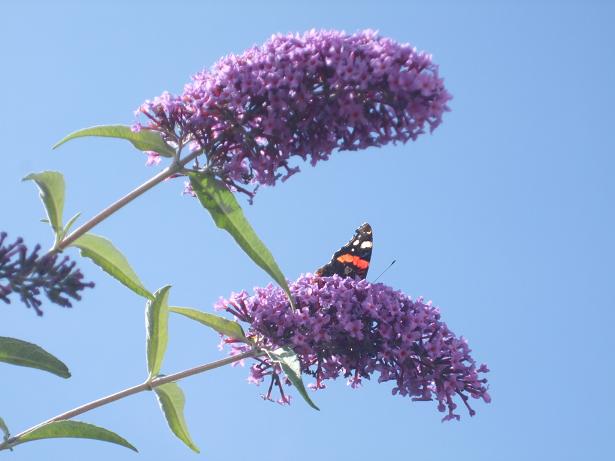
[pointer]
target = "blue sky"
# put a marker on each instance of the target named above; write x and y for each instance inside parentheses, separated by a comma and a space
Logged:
(503, 217)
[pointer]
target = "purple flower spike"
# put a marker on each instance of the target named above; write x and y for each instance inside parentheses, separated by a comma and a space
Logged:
(28, 274)
(353, 328)
(301, 95)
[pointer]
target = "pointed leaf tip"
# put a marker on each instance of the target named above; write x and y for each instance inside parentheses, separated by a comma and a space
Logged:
(105, 255)
(25, 354)
(228, 215)
(51, 187)
(74, 429)
(5, 430)
(172, 402)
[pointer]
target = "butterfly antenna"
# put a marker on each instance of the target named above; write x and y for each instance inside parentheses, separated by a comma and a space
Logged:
(382, 273)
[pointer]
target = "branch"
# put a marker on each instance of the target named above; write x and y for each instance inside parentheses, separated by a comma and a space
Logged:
(146, 386)
(104, 214)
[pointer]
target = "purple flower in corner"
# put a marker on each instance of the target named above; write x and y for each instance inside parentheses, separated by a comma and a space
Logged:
(27, 274)
(355, 329)
(300, 95)
(153, 158)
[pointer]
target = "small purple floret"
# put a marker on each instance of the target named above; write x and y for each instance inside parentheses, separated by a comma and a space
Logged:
(301, 95)
(153, 158)
(353, 328)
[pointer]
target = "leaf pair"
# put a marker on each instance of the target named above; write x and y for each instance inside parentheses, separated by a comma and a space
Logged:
(100, 250)
(170, 396)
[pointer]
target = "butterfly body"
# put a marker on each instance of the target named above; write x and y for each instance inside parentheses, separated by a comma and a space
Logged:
(352, 260)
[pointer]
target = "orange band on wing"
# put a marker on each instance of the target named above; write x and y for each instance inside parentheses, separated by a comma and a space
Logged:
(354, 260)
(360, 263)
(346, 258)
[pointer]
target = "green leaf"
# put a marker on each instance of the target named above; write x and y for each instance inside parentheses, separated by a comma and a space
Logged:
(291, 367)
(108, 258)
(156, 327)
(143, 140)
(220, 324)
(51, 186)
(172, 401)
(25, 354)
(5, 430)
(227, 215)
(69, 224)
(73, 429)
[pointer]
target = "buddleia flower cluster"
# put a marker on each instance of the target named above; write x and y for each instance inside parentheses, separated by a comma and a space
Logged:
(355, 329)
(27, 274)
(300, 95)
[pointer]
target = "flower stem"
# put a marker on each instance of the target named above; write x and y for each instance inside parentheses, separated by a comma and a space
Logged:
(146, 386)
(104, 214)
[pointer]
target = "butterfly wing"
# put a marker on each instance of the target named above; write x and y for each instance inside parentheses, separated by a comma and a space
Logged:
(352, 260)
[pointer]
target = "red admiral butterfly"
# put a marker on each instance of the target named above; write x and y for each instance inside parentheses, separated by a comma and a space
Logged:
(352, 260)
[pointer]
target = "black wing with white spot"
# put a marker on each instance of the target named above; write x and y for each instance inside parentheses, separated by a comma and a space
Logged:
(352, 260)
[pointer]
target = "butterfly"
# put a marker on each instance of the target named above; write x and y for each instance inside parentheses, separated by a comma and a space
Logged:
(352, 260)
